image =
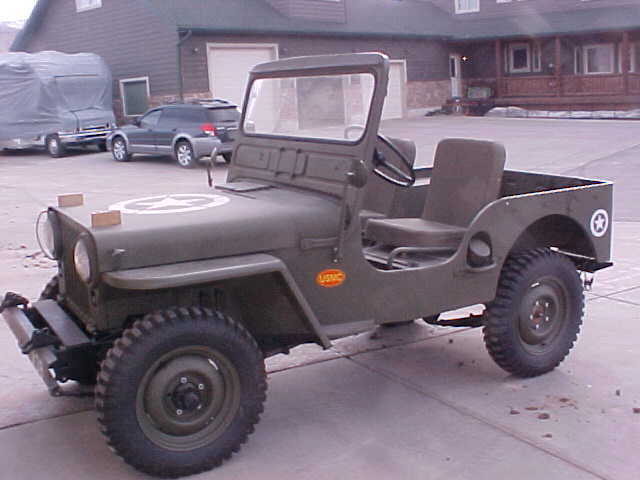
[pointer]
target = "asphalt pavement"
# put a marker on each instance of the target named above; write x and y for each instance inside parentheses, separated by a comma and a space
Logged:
(408, 402)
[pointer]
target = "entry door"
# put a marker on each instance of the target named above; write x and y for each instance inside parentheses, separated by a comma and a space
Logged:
(229, 66)
(456, 75)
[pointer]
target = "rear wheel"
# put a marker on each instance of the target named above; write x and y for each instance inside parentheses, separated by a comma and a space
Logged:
(185, 155)
(535, 318)
(55, 147)
(180, 391)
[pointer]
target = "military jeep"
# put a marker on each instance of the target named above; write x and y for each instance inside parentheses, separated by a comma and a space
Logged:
(324, 229)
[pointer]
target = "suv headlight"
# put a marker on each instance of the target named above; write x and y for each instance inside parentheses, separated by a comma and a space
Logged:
(46, 236)
(81, 260)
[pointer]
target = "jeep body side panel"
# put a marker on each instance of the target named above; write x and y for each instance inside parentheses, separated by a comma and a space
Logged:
(211, 271)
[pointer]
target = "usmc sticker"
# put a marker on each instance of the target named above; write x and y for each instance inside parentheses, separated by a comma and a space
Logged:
(331, 278)
(174, 203)
(599, 223)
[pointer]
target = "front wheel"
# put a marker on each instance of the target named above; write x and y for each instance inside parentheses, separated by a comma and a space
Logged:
(180, 391)
(185, 155)
(119, 150)
(535, 318)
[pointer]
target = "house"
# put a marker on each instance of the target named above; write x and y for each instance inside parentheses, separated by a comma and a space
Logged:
(531, 53)
(550, 54)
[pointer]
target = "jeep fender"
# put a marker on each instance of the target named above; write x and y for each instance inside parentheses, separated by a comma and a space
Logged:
(214, 270)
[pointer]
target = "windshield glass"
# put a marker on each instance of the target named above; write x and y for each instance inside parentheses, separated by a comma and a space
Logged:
(323, 107)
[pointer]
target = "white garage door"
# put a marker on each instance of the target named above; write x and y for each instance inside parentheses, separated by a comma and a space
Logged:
(394, 103)
(229, 67)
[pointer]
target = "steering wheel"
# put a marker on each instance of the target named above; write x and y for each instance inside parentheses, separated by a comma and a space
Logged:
(386, 170)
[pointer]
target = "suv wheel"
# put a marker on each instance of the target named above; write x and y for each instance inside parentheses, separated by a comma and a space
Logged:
(536, 315)
(180, 391)
(185, 155)
(119, 150)
(55, 147)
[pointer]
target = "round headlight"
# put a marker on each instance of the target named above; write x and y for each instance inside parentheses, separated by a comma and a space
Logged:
(81, 260)
(45, 236)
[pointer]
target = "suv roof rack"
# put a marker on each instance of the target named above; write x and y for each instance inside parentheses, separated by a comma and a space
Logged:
(205, 102)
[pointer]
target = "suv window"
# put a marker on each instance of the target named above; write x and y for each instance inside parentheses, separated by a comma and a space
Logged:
(178, 117)
(223, 115)
(150, 120)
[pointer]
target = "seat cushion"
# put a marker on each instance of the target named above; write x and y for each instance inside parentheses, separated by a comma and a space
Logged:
(414, 232)
(366, 215)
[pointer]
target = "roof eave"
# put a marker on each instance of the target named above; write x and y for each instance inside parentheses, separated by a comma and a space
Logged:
(318, 32)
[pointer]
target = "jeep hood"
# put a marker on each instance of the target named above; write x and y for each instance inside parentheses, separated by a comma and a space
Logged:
(167, 229)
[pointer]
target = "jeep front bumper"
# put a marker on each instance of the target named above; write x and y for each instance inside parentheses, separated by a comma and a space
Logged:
(52, 344)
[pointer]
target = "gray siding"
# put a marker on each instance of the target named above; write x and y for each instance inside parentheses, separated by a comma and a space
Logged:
(133, 39)
(490, 8)
(426, 60)
(318, 10)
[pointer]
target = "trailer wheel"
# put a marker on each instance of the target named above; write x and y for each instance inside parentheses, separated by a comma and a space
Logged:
(535, 318)
(55, 147)
(180, 391)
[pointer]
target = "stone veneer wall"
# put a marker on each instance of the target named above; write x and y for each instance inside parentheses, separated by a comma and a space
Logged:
(420, 94)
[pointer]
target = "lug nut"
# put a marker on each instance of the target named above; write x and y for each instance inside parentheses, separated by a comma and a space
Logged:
(179, 412)
(183, 380)
(201, 386)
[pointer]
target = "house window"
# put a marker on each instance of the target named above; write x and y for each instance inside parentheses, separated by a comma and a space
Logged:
(519, 57)
(135, 96)
(594, 59)
(467, 6)
(82, 5)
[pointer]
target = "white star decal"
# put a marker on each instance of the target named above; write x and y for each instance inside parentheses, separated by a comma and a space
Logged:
(169, 202)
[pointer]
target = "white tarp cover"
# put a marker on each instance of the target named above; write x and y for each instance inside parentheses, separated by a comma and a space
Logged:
(50, 92)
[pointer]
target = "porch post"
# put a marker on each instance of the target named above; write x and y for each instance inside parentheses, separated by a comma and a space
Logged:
(557, 65)
(499, 63)
(626, 62)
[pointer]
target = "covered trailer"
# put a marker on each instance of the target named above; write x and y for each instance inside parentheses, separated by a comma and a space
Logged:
(55, 100)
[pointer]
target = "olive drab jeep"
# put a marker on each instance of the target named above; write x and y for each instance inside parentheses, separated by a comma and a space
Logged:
(323, 229)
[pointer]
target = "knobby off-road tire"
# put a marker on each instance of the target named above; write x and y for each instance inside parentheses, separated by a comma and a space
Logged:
(535, 318)
(51, 289)
(180, 391)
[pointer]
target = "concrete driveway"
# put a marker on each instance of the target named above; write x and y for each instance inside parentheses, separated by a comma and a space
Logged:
(408, 402)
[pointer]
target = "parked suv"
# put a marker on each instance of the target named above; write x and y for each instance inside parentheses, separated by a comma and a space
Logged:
(188, 132)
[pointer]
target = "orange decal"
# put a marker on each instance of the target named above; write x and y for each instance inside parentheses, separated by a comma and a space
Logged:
(331, 278)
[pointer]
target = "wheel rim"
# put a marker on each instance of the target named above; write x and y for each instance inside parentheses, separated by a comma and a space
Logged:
(119, 149)
(53, 146)
(543, 313)
(185, 156)
(188, 398)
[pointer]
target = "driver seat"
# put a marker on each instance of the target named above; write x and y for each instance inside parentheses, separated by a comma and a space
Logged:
(466, 176)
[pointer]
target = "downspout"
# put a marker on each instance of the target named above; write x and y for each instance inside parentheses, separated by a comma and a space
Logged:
(179, 62)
